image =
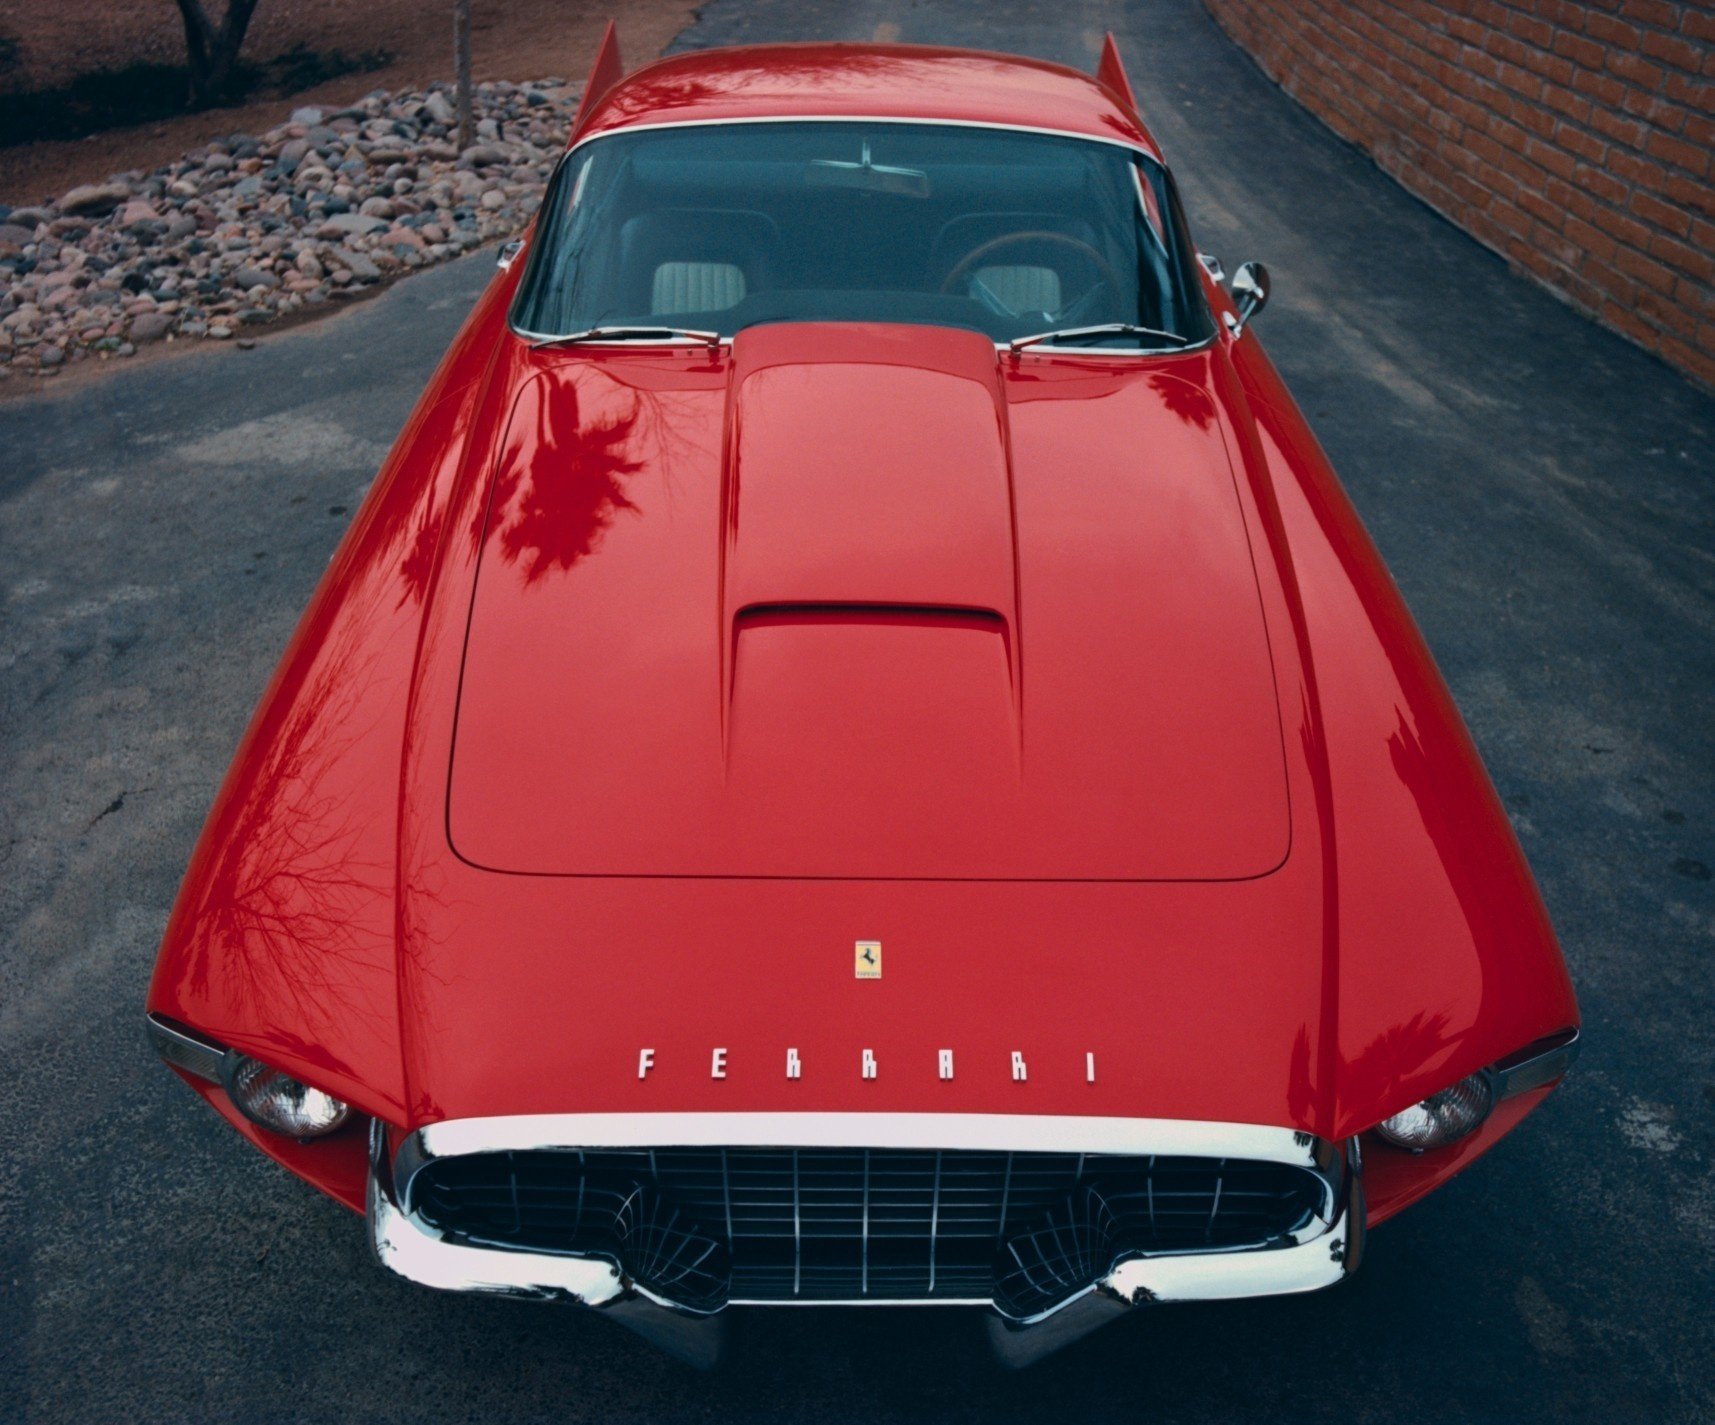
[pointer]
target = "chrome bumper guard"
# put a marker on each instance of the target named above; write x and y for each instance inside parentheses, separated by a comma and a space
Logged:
(1327, 1249)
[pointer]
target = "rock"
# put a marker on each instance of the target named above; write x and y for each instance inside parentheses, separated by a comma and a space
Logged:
(345, 223)
(150, 326)
(357, 264)
(232, 235)
(94, 199)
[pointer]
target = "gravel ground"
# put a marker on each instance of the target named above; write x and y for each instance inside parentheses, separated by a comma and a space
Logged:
(1546, 497)
(245, 230)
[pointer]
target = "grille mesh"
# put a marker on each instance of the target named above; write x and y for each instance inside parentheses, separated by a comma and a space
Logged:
(706, 1225)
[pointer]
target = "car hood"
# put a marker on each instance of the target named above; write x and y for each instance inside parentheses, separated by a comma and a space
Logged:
(872, 606)
(858, 635)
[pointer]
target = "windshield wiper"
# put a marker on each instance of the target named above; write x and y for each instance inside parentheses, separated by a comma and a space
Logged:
(1105, 329)
(712, 339)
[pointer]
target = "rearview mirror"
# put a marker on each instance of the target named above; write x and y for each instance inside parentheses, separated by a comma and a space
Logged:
(1250, 294)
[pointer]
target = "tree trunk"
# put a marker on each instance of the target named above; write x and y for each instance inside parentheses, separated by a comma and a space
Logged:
(211, 50)
(461, 72)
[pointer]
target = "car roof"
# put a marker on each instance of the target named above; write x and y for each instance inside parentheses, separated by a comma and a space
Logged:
(897, 82)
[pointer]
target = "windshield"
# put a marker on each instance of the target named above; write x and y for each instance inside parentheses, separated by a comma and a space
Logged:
(721, 227)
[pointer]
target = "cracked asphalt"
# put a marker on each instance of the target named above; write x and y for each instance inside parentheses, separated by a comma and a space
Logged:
(1545, 495)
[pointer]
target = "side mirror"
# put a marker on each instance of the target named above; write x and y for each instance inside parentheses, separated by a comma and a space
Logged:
(508, 253)
(1250, 294)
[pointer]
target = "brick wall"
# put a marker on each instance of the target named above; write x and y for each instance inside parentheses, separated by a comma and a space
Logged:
(1574, 137)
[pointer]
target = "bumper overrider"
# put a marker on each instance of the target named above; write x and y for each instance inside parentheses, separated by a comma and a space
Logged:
(1317, 1251)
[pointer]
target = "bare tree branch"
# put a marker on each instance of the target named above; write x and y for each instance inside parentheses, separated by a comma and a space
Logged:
(461, 71)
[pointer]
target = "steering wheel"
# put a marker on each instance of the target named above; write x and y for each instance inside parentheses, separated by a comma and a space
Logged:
(982, 250)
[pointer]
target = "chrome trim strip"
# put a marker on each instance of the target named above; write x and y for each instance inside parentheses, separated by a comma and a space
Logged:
(543, 342)
(1536, 1065)
(1109, 139)
(1022, 1132)
(185, 1049)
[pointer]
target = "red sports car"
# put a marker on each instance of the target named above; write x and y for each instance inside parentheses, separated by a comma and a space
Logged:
(858, 753)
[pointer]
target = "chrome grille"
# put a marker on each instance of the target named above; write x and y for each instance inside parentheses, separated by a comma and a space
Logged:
(707, 1225)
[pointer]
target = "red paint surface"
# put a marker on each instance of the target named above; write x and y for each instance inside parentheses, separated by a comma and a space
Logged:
(1072, 679)
(917, 82)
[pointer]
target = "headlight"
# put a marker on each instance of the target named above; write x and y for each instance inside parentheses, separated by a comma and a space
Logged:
(1443, 1117)
(279, 1102)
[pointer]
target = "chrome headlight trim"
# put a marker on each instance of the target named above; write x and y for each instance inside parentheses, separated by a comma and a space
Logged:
(1537, 1065)
(185, 1049)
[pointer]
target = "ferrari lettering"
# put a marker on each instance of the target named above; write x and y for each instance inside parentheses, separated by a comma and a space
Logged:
(1015, 1067)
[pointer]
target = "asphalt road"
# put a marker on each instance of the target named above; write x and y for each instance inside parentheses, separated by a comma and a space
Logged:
(1546, 497)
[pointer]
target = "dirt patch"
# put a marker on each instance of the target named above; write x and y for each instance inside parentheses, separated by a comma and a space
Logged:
(46, 47)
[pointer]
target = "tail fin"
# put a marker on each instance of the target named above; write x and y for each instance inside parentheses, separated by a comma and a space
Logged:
(1112, 73)
(604, 74)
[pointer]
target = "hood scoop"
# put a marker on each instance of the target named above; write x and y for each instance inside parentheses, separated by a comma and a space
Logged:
(875, 473)
(863, 636)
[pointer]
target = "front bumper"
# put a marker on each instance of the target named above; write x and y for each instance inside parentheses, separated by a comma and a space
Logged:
(1325, 1251)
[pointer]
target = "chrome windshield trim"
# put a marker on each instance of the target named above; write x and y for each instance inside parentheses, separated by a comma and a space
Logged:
(1110, 140)
(185, 1049)
(541, 341)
